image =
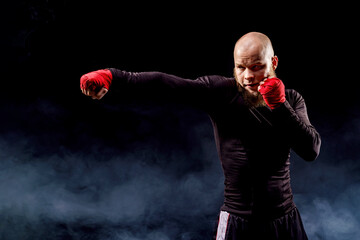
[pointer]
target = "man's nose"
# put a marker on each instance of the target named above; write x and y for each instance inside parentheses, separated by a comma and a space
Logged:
(248, 75)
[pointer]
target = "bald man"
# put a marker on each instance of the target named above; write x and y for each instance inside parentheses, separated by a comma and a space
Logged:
(256, 123)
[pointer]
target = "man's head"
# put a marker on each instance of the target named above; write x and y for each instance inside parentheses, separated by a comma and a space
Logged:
(254, 61)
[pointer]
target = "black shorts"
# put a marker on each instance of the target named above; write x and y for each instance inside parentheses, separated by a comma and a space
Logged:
(287, 227)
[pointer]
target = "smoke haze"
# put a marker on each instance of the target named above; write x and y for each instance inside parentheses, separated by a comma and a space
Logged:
(150, 190)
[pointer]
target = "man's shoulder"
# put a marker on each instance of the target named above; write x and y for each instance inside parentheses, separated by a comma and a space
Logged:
(222, 89)
(293, 96)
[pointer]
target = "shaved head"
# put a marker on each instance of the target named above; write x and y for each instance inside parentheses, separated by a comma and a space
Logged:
(255, 42)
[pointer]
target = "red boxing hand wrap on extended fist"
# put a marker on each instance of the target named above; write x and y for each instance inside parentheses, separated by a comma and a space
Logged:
(273, 92)
(96, 80)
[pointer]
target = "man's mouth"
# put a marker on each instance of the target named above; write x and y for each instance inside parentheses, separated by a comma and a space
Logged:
(252, 85)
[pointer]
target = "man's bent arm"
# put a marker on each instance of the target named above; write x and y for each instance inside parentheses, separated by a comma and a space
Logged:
(294, 121)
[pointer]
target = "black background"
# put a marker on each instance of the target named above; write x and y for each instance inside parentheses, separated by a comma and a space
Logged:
(75, 168)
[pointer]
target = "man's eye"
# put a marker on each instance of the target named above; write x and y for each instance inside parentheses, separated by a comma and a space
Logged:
(241, 67)
(257, 67)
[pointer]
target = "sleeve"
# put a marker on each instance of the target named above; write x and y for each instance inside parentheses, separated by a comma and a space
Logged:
(163, 87)
(293, 120)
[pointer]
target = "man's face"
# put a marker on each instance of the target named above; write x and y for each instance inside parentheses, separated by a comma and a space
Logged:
(252, 65)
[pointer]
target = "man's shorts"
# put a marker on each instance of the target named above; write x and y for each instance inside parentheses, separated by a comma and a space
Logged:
(287, 227)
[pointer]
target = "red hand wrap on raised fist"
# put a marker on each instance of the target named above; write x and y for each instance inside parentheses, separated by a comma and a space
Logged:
(96, 80)
(273, 92)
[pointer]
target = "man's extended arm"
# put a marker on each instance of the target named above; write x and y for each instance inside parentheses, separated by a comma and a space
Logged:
(155, 86)
(160, 86)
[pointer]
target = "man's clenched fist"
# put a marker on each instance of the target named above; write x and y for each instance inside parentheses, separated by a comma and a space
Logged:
(96, 84)
(273, 92)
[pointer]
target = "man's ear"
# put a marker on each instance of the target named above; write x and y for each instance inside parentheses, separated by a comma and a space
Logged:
(274, 62)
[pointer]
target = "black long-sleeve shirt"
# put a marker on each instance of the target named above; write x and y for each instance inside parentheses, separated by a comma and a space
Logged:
(253, 144)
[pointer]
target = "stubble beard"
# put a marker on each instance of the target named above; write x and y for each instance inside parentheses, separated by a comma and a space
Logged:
(251, 99)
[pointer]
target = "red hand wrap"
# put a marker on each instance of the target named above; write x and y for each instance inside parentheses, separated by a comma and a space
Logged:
(96, 80)
(273, 92)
